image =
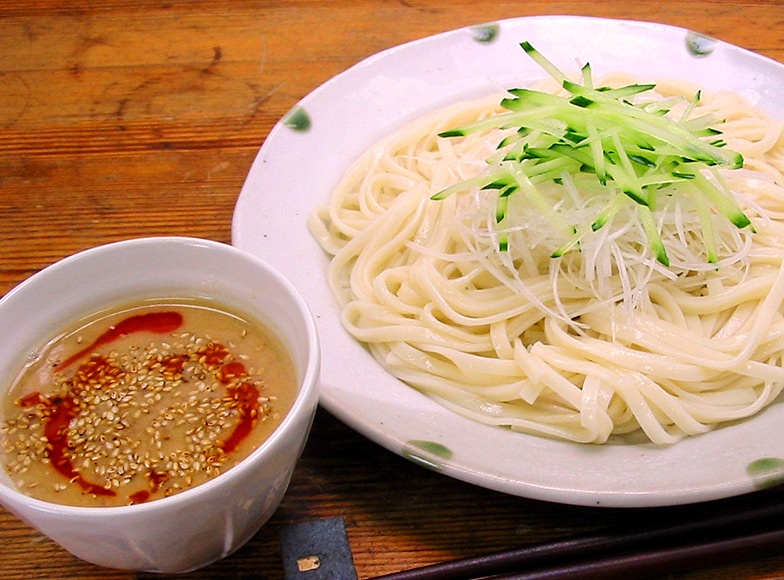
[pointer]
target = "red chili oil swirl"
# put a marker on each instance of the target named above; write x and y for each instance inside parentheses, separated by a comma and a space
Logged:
(61, 410)
(157, 322)
(244, 393)
(247, 396)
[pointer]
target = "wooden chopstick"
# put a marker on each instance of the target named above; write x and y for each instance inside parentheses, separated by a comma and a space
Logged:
(659, 562)
(727, 530)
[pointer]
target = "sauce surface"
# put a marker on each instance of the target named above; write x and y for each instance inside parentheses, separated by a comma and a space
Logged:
(143, 402)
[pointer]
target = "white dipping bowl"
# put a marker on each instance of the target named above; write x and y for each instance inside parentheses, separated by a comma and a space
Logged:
(196, 527)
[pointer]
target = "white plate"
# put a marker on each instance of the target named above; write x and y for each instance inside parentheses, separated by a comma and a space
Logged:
(305, 155)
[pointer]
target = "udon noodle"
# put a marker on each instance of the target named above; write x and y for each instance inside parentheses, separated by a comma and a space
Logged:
(601, 342)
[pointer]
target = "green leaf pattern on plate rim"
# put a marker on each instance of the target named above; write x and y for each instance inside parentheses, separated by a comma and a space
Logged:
(428, 454)
(485, 33)
(766, 472)
(700, 45)
(297, 119)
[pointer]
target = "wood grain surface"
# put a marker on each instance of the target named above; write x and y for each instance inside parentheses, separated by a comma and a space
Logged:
(128, 118)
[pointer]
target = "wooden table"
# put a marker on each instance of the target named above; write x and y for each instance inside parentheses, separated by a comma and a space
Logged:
(126, 118)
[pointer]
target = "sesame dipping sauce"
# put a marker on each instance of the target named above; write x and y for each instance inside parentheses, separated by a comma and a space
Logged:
(143, 402)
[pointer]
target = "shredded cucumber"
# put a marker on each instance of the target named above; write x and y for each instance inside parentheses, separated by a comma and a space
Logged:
(635, 151)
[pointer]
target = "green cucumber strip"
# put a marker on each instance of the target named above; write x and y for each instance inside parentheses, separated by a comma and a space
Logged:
(597, 152)
(544, 63)
(501, 207)
(542, 205)
(609, 211)
(652, 233)
(606, 94)
(721, 202)
(708, 236)
(478, 182)
(587, 75)
(503, 241)
(569, 245)
(500, 121)
(692, 105)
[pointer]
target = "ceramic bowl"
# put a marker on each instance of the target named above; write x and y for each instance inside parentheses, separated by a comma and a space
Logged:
(196, 527)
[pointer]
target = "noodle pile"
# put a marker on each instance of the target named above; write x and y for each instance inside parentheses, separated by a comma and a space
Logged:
(601, 342)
